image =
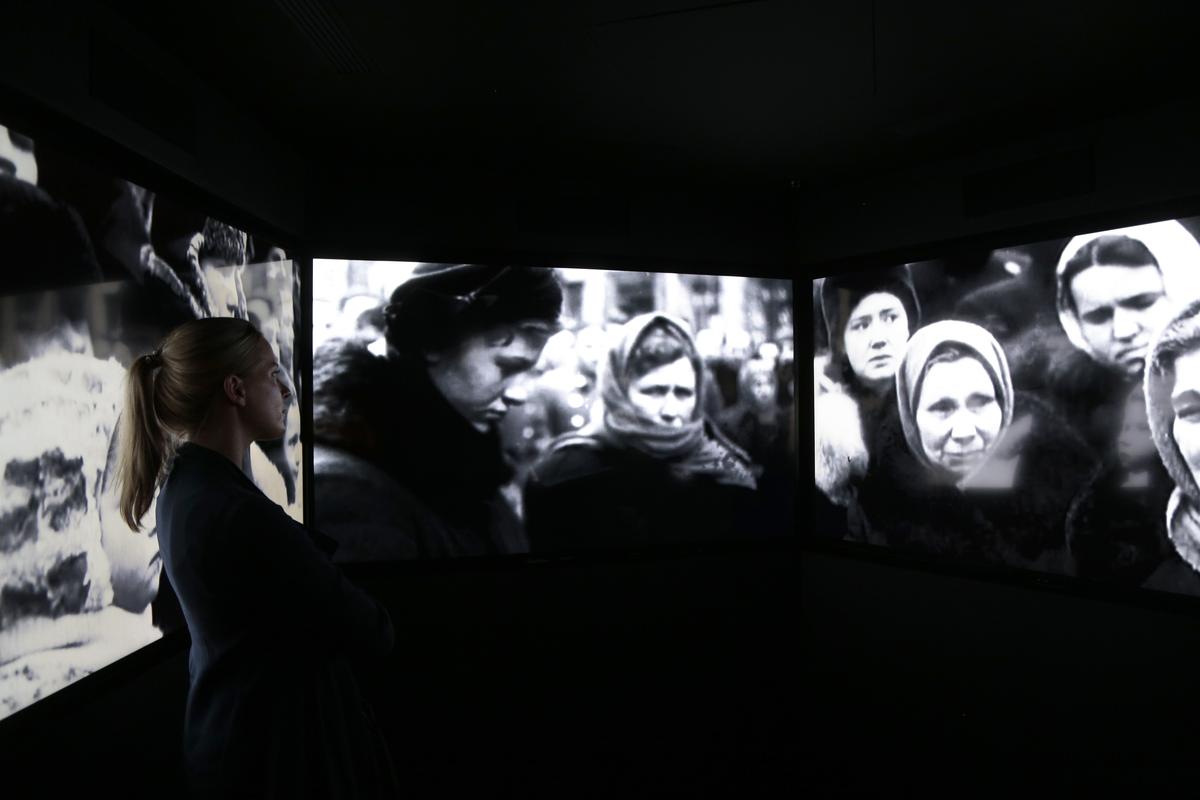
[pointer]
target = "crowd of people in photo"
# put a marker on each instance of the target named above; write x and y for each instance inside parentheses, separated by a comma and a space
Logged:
(485, 427)
(1034, 407)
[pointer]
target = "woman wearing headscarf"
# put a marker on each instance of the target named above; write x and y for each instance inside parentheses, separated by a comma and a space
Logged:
(868, 317)
(979, 471)
(649, 468)
(1114, 290)
(1173, 410)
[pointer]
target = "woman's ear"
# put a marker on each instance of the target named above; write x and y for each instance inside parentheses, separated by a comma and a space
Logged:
(235, 390)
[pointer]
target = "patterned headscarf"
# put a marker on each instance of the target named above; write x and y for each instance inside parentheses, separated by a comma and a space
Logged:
(694, 447)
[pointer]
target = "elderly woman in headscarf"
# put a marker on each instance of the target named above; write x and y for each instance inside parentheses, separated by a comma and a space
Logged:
(1173, 409)
(977, 470)
(649, 468)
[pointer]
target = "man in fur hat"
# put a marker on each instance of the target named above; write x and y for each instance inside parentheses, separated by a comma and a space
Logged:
(408, 459)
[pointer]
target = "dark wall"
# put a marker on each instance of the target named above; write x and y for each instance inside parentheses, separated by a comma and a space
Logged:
(596, 680)
(1132, 158)
(920, 681)
(372, 212)
(84, 62)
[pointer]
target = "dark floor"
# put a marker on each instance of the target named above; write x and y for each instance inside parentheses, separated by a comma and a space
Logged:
(660, 678)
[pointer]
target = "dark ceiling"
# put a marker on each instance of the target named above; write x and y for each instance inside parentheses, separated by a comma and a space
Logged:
(756, 93)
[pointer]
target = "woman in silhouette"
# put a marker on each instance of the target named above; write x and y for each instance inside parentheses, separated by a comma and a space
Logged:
(272, 709)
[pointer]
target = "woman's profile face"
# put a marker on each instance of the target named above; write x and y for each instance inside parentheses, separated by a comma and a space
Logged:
(958, 415)
(1185, 402)
(484, 375)
(666, 394)
(267, 395)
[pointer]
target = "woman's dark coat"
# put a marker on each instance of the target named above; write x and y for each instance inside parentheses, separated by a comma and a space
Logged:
(399, 473)
(772, 450)
(903, 504)
(1086, 395)
(1117, 532)
(586, 493)
(273, 709)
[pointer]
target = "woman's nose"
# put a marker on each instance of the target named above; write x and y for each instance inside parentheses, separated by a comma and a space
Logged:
(962, 429)
(672, 408)
(1125, 325)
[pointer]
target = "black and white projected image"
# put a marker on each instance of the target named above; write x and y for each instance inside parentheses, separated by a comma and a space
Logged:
(95, 270)
(474, 410)
(1028, 406)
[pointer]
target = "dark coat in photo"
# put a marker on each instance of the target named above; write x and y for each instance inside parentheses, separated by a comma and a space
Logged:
(399, 473)
(1117, 531)
(852, 434)
(771, 447)
(1020, 525)
(586, 493)
(1087, 396)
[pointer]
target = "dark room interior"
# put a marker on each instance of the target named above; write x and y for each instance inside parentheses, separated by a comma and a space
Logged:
(760, 137)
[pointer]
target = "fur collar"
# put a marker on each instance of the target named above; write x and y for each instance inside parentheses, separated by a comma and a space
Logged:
(388, 411)
(840, 449)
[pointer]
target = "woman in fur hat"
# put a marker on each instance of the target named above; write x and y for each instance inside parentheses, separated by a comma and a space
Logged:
(408, 459)
(868, 318)
(986, 473)
(1173, 408)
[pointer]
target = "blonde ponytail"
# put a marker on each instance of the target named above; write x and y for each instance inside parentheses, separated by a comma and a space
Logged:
(144, 444)
(167, 395)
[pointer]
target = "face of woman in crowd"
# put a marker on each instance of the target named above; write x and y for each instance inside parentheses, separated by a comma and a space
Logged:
(1185, 402)
(958, 415)
(267, 395)
(483, 376)
(875, 335)
(1134, 445)
(761, 384)
(1120, 309)
(666, 394)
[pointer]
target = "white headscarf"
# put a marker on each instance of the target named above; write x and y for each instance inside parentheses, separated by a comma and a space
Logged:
(1176, 251)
